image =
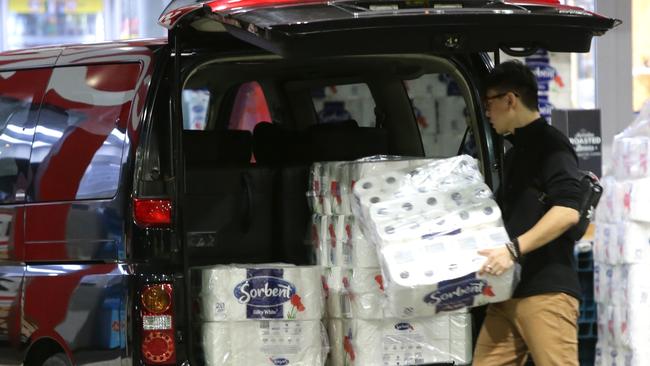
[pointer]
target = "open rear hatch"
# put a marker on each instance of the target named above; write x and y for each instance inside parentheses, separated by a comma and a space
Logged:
(322, 28)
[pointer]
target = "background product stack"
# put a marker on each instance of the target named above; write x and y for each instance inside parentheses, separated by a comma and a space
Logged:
(256, 314)
(622, 252)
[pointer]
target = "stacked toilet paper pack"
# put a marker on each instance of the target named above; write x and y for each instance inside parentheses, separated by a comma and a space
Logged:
(622, 251)
(256, 314)
(362, 328)
(428, 225)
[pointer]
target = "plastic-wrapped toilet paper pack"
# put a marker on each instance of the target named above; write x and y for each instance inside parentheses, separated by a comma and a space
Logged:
(320, 239)
(440, 339)
(429, 276)
(273, 291)
(266, 342)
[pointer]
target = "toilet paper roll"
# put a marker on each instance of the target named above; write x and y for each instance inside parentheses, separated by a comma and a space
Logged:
(263, 343)
(452, 112)
(335, 333)
(260, 292)
(338, 301)
(636, 196)
(631, 157)
(631, 286)
(365, 288)
(631, 327)
(608, 243)
(404, 342)
(334, 177)
(634, 242)
(315, 193)
(337, 240)
(598, 292)
(320, 239)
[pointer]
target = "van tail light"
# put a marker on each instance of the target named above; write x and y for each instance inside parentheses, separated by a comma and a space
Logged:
(148, 213)
(157, 313)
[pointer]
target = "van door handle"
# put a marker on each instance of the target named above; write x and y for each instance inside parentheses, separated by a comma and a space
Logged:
(20, 195)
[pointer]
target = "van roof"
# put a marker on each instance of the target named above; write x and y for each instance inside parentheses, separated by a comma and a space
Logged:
(78, 53)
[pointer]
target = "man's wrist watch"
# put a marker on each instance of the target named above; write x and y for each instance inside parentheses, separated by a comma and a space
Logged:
(513, 248)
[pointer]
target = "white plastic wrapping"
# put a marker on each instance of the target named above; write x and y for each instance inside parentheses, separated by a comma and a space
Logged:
(273, 291)
(440, 339)
(428, 225)
(266, 342)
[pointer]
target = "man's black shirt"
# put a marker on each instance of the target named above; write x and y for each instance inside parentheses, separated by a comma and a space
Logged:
(541, 160)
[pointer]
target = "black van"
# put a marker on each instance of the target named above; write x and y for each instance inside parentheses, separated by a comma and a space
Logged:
(124, 164)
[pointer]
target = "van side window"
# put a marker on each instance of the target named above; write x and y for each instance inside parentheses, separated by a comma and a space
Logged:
(21, 93)
(250, 107)
(440, 111)
(195, 108)
(337, 103)
(78, 142)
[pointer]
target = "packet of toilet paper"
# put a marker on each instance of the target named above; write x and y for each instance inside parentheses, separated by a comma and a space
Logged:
(269, 291)
(441, 274)
(631, 147)
(265, 342)
(392, 341)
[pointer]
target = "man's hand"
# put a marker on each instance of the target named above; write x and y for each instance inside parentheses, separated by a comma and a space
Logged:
(498, 261)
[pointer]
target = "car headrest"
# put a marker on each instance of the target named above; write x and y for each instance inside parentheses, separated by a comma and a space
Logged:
(275, 144)
(217, 146)
(336, 144)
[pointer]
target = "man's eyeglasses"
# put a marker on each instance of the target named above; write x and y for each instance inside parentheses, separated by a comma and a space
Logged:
(486, 100)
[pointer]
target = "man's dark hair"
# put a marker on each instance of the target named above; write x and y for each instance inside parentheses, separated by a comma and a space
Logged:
(516, 77)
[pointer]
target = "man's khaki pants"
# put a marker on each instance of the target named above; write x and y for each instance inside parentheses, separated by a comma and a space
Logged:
(544, 325)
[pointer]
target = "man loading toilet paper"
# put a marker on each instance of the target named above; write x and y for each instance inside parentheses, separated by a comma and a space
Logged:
(541, 317)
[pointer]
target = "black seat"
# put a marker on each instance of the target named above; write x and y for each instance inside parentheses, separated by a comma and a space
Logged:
(217, 147)
(228, 202)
